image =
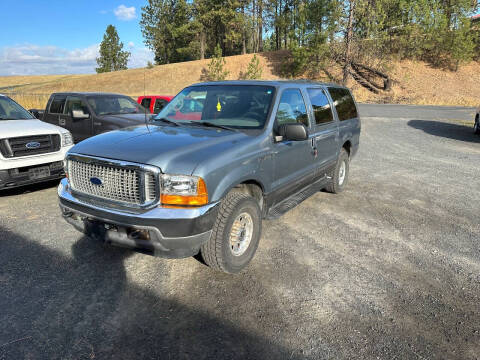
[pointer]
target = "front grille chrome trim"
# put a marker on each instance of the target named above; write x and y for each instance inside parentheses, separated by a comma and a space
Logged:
(127, 185)
(16, 147)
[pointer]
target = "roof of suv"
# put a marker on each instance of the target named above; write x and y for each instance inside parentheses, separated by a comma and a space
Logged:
(87, 93)
(277, 83)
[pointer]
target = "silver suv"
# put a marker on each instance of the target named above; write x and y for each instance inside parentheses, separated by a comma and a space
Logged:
(202, 174)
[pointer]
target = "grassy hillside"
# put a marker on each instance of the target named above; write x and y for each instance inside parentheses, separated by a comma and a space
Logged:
(414, 82)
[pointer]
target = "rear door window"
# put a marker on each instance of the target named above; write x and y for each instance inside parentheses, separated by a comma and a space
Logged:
(344, 103)
(321, 106)
(292, 108)
(146, 103)
(159, 105)
(58, 103)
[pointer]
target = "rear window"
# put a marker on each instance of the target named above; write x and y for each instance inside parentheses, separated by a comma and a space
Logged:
(58, 102)
(159, 105)
(344, 103)
(321, 106)
(114, 105)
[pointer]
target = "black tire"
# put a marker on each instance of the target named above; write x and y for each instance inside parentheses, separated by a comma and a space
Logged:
(476, 127)
(217, 252)
(335, 186)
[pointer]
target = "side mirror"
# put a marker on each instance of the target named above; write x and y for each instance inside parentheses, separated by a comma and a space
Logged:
(79, 115)
(293, 132)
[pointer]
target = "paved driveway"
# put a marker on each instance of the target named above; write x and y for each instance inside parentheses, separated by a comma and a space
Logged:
(389, 269)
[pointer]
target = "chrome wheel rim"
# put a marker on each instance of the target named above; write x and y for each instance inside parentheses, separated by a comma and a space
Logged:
(341, 173)
(241, 234)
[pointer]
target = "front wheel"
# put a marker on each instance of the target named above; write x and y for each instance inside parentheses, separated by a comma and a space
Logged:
(476, 127)
(235, 235)
(339, 175)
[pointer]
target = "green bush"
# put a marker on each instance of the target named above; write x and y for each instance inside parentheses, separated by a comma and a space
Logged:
(216, 68)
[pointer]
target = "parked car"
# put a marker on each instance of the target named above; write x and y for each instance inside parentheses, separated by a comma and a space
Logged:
(175, 188)
(155, 103)
(30, 150)
(37, 113)
(89, 114)
(476, 126)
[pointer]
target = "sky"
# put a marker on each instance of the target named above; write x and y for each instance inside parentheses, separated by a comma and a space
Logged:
(41, 37)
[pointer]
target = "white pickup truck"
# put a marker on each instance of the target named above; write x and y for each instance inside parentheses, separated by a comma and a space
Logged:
(30, 150)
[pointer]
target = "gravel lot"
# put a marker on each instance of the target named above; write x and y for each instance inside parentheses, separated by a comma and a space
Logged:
(389, 269)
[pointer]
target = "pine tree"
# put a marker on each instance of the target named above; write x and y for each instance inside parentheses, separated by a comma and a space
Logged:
(112, 57)
(254, 70)
(216, 71)
(168, 30)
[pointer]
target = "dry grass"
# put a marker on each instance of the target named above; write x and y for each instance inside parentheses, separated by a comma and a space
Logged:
(414, 82)
(419, 83)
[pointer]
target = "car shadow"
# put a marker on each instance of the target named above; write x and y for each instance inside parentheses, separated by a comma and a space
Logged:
(446, 130)
(57, 305)
(25, 189)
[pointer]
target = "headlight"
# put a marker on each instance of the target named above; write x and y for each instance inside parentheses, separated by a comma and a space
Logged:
(67, 138)
(183, 190)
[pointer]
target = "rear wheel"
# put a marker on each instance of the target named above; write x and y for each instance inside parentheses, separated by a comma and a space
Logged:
(476, 127)
(339, 175)
(235, 235)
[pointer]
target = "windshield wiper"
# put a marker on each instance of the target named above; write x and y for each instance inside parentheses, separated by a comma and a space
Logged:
(210, 124)
(166, 121)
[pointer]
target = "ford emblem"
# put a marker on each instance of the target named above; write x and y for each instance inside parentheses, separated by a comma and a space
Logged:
(32, 145)
(96, 181)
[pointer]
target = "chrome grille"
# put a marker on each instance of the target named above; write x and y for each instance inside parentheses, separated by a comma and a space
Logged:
(17, 146)
(129, 185)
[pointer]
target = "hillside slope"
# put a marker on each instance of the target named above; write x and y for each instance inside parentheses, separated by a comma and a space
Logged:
(414, 82)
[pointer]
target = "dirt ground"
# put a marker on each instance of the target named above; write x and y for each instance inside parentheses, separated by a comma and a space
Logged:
(389, 269)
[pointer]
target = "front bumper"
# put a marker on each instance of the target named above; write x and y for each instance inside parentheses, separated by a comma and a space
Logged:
(165, 232)
(15, 177)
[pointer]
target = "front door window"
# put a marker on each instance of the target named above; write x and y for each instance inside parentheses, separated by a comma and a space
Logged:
(292, 108)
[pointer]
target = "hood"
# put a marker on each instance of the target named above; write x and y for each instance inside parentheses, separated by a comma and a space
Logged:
(15, 128)
(126, 119)
(175, 150)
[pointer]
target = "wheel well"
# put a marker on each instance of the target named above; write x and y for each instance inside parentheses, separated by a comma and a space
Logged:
(347, 146)
(252, 188)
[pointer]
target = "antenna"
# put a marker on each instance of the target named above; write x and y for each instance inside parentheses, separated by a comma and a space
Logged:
(146, 122)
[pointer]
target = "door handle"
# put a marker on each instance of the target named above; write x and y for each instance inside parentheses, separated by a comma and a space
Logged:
(62, 122)
(96, 123)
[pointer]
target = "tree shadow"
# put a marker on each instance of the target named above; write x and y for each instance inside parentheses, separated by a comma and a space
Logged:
(275, 61)
(72, 307)
(446, 130)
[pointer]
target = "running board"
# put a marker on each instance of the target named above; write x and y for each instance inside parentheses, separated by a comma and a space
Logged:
(295, 199)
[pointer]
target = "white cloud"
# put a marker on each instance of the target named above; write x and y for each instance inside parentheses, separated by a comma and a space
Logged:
(125, 13)
(140, 57)
(39, 60)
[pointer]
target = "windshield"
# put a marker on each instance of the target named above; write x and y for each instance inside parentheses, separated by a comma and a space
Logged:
(10, 110)
(112, 104)
(234, 106)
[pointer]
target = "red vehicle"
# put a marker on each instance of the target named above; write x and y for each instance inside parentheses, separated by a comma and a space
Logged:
(155, 103)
